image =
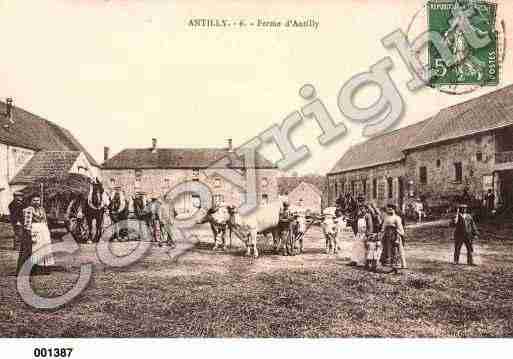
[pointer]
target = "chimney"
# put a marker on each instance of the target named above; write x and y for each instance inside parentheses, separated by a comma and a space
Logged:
(9, 110)
(230, 145)
(153, 145)
(106, 151)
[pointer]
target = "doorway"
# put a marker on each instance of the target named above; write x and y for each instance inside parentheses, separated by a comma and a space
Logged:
(506, 188)
(400, 197)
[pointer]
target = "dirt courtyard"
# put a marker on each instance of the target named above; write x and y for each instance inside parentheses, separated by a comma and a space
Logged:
(203, 293)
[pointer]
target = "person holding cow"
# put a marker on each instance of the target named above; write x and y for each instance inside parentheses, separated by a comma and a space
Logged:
(119, 210)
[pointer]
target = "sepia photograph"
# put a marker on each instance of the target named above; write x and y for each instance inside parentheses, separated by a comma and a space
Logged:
(305, 170)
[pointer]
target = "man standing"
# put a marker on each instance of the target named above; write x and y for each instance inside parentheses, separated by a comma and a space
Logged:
(464, 234)
(16, 218)
(490, 201)
(22, 241)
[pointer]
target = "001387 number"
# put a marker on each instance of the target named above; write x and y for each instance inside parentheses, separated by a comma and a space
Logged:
(52, 352)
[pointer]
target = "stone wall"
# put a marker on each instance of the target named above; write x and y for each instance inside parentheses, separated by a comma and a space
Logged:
(311, 200)
(157, 182)
(342, 183)
(439, 162)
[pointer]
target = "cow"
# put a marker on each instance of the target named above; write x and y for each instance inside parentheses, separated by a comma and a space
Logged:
(330, 230)
(219, 220)
(265, 219)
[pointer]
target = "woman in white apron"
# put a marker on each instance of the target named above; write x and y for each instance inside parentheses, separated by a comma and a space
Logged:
(36, 225)
(363, 228)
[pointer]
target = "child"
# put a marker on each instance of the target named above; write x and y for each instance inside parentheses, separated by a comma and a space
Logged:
(373, 251)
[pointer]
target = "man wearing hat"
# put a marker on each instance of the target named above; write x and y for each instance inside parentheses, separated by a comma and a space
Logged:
(464, 233)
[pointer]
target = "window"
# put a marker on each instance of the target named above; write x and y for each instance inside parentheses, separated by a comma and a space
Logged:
(112, 181)
(438, 163)
(353, 187)
(217, 182)
(265, 182)
(166, 182)
(364, 184)
(374, 188)
(390, 185)
(458, 172)
(138, 173)
(218, 198)
(265, 198)
(336, 189)
(479, 156)
(196, 200)
(195, 172)
(423, 175)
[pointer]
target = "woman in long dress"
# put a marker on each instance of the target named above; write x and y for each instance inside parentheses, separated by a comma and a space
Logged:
(363, 228)
(36, 225)
(393, 236)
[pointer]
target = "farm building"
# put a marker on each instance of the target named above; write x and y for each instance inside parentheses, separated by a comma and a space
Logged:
(468, 145)
(32, 148)
(303, 191)
(155, 171)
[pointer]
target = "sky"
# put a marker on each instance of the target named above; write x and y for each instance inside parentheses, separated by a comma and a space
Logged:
(118, 73)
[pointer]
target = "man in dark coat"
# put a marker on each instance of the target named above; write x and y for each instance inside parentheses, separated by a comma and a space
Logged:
(490, 201)
(464, 234)
(22, 241)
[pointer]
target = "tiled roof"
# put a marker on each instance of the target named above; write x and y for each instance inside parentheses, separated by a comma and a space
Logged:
(476, 115)
(171, 158)
(288, 184)
(46, 164)
(387, 148)
(33, 132)
(481, 114)
(482, 118)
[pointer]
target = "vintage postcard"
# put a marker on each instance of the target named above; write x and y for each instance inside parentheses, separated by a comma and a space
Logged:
(254, 169)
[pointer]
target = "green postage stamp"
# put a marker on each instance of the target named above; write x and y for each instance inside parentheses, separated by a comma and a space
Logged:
(467, 29)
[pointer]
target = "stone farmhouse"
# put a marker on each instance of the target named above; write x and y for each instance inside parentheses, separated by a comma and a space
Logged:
(155, 171)
(306, 196)
(468, 145)
(305, 191)
(32, 148)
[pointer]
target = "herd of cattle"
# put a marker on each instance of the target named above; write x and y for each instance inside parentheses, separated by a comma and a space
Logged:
(286, 225)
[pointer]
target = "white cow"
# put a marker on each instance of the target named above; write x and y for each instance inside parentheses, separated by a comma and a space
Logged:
(265, 218)
(330, 229)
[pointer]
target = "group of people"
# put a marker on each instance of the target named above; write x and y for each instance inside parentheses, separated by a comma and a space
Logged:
(374, 238)
(377, 238)
(31, 234)
(32, 238)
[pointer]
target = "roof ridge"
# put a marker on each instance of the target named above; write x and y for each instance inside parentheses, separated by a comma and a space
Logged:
(482, 97)
(74, 151)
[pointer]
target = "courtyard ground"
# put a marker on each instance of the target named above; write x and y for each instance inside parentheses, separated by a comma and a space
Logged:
(224, 294)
